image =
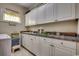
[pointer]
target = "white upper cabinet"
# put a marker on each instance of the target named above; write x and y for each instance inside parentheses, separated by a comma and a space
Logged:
(51, 12)
(40, 15)
(46, 13)
(30, 18)
(77, 10)
(65, 11)
(1, 14)
(27, 20)
(33, 17)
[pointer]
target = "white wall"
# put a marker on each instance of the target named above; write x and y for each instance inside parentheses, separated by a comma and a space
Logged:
(66, 26)
(4, 27)
(78, 27)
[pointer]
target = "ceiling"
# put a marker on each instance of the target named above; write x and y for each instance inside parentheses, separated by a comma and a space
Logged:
(29, 5)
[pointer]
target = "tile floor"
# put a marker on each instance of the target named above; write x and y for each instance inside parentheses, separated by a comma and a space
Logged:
(21, 52)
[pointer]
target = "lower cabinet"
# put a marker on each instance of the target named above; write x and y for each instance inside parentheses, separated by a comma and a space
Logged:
(61, 51)
(77, 48)
(52, 50)
(62, 48)
(42, 46)
(25, 40)
(45, 46)
(36, 45)
(64, 52)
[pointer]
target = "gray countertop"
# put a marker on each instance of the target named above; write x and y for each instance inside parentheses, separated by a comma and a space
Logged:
(68, 38)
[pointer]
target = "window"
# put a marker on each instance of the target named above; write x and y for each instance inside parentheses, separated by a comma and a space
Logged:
(10, 15)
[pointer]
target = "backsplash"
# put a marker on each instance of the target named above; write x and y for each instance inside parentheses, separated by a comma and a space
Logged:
(64, 26)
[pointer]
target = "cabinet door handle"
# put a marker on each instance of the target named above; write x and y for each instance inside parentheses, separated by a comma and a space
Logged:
(52, 45)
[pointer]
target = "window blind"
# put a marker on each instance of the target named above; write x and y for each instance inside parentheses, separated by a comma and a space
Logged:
(10, 15)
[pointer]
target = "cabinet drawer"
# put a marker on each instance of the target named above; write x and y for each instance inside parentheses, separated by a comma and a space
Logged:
(68, 44)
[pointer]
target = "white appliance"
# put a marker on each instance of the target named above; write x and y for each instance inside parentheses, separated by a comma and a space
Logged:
(5, 45)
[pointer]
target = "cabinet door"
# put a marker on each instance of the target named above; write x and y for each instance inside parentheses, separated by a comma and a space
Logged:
(46, 13)
(27, 19)
(36, 45)
(77, 10)
(40, 15)
(65, 11)
(23, 39)
(52, 50)
(45, 47)
(31, 42)
(26, 41)
(77, 48)
(50, 12)
(1, 14)
(33, 17)
(30, 18)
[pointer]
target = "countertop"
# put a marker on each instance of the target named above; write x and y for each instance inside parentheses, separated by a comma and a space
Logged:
(68, 38)
(4, 36)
